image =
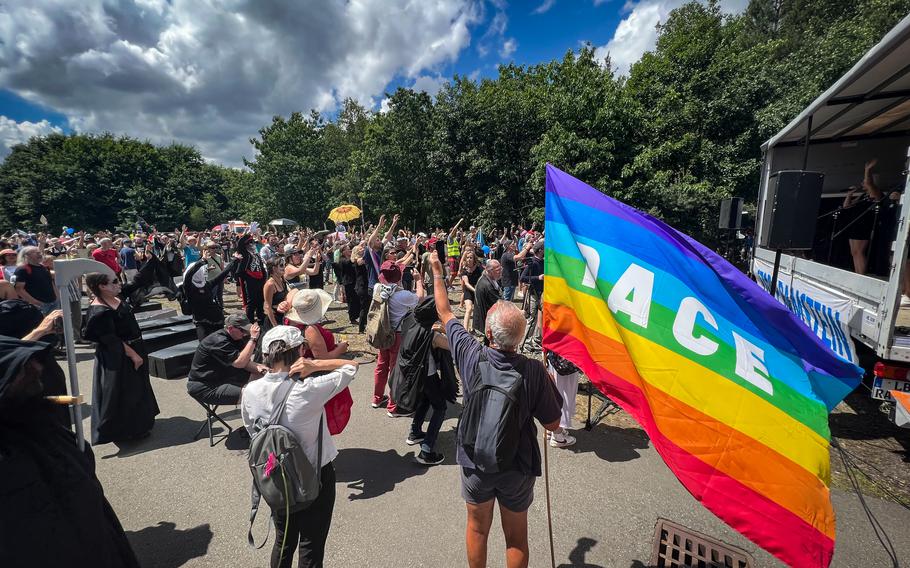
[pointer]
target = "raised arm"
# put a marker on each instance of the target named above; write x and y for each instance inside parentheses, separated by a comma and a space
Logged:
(440, 293)
(391, 232)
(375, 232)
(455, 228)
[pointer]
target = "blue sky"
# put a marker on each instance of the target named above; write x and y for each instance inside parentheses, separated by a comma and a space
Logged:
(211, 74)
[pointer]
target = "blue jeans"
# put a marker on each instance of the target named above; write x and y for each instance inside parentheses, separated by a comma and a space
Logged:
(436, 419)
(48, 307)
(508, 292)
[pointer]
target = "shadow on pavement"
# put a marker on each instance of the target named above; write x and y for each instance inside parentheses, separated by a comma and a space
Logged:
(373, 472)
(238, 439)
(168, 432)
(166, 546)
(577, 556)
(611, 443)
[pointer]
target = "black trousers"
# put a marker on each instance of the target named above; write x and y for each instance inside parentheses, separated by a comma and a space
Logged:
(306, 530)
(251, 295)
(365, 301)
(353, 300)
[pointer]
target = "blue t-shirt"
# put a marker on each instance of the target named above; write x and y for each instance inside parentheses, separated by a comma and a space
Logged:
(190, 255)
(128, 258)
(368, 260)
(538, 399)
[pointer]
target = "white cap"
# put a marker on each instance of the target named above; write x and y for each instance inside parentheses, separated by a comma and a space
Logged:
(291, 336)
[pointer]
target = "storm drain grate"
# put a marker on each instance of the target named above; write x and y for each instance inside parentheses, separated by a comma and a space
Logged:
(675, 546)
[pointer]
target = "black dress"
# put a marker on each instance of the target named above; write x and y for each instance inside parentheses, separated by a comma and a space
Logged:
(473, 277)
(361, 288)
(123, 403)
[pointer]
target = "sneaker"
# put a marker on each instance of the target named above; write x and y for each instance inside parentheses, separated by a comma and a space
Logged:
(563, 441)
(398, 414)
(414, 440)
(905, 301)
(430, 458)
(382, 402)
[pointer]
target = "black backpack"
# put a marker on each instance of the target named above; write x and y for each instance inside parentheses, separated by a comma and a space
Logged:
(186, 308)
(489, 425)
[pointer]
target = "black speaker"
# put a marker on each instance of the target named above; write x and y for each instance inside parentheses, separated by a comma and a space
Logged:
(791, 209)
(731, 213)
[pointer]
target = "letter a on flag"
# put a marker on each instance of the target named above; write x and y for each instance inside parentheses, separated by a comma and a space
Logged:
(733, 390)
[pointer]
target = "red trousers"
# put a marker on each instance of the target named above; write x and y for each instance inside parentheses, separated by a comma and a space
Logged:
(385, 362)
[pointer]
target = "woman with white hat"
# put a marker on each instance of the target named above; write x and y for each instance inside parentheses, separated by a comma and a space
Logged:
(283, 347)
(305, 309)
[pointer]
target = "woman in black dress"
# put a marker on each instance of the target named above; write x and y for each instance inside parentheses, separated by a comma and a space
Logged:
(123, 403)
(471, 271)
(347, 278)
(275, 291)
(361, 286)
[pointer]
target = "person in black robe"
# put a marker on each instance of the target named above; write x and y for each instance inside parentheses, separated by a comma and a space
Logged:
(54, 510)
(424, 377)
(123, 403)
(204, 294)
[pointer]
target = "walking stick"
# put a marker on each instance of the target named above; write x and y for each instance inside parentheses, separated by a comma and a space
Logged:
(546, 482)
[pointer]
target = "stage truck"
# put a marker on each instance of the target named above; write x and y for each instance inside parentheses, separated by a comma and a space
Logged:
(812, 208)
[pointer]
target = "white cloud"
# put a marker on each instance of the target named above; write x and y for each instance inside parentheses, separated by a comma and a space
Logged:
(429, 84)
(637, 32)
(508, 48)
(545, 7)
(12, 132)
(212, 73)
(495, 31)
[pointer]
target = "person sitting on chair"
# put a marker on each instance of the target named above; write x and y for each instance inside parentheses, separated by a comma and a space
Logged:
(223, 362)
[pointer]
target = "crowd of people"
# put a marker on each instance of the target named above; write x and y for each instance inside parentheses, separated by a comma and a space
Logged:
(277, 342)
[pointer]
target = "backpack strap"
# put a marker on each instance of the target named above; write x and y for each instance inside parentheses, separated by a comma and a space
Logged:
(254, 508)
(285, 392)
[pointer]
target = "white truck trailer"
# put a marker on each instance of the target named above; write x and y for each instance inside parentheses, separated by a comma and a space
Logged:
(864, 116)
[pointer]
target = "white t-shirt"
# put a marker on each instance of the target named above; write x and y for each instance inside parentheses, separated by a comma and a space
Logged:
(305, 406)
(400, 302)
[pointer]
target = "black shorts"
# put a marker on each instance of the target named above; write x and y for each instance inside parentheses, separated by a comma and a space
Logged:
(514, 490)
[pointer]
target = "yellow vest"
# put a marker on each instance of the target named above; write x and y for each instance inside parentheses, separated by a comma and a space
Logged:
(453, 248)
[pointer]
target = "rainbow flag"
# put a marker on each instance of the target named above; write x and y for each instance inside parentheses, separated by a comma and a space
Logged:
(733, 390)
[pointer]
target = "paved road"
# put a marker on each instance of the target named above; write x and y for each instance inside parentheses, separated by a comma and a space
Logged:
(186, 504)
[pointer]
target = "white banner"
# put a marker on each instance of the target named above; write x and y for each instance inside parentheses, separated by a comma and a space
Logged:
(826, 314)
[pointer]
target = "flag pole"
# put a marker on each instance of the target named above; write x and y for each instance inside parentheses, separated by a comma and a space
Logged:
(546, 482)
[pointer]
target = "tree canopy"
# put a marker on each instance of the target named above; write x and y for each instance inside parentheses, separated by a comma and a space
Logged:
(681, 132)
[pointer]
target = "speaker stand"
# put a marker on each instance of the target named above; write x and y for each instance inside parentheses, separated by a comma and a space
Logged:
(775, 272)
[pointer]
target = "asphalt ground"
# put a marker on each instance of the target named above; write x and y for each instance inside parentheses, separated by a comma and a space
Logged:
(184, 503)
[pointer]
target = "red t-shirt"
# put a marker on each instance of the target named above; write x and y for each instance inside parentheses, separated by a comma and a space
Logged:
(108, 257)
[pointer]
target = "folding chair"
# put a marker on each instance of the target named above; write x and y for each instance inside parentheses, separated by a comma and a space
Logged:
(210, 417)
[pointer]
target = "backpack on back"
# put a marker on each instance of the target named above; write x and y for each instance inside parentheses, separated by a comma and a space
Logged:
(186, 308)
(489, 425)
(379, 325)
(282, 474)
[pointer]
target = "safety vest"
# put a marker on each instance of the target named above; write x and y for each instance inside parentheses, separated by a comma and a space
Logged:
(453, 248)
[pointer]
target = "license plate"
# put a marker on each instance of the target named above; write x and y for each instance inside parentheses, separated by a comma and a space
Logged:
(881, 387)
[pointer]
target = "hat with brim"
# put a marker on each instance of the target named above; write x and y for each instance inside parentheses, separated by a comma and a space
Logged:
(309, 306)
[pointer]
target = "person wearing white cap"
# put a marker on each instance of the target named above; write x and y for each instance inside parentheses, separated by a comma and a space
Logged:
(283, 347)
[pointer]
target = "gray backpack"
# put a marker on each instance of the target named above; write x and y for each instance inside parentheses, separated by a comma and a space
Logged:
(282, 474)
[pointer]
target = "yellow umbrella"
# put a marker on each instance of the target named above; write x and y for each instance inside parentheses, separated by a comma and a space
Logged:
(344, 213)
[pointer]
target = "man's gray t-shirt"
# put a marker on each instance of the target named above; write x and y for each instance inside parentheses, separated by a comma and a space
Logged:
(539, 398)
